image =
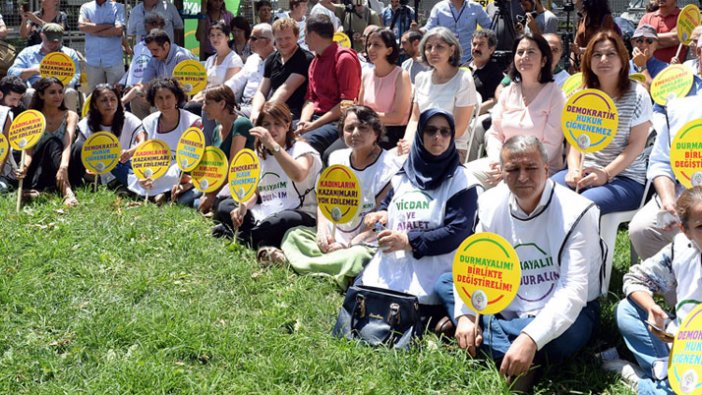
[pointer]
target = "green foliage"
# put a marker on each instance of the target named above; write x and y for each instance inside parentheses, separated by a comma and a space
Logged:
(107, 298)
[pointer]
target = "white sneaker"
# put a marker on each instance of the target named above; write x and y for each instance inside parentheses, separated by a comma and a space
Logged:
(631, 373)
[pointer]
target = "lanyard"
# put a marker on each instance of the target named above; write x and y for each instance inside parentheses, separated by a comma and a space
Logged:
(457, 18)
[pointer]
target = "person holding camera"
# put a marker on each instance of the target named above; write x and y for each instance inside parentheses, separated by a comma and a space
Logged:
(355, 17)
(398, 17)
(538, 20)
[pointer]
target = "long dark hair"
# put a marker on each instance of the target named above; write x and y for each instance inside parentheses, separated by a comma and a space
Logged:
(41, 86)
(546, 75)
(595, 11)
(94, 116)
(281, 112)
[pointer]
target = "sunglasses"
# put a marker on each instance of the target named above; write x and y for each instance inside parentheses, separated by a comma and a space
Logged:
(649, 41)
(431, 131)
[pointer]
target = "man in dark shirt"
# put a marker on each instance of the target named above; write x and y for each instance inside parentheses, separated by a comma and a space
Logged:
(487, 76)
(285, 71)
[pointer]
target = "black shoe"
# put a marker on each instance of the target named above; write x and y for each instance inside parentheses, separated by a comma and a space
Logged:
(222, 230)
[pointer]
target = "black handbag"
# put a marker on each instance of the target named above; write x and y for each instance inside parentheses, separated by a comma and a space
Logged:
(379, 316)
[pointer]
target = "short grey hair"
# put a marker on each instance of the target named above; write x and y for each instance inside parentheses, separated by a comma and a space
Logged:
(523, 143)
(487, 34)
(265, 29)
(446, 36)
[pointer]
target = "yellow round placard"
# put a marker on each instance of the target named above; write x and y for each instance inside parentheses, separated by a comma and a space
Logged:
(686, 154)
(589, 120)
(151, 159)
(59, 65)
(4, 147)
(86, 106)
(244, 172)
(685, 361)
(190, 149)
(26, 129)
(211, 172)
(342, 39)
(191, 75)
(573, 84)
(673, 82)
(688, 20)
(338, 194)
(100, 153)
(486, 272)
(638, 77)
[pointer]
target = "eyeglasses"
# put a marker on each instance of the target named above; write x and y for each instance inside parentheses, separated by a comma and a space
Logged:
(649, 41)
(431, 131)
(254, 38)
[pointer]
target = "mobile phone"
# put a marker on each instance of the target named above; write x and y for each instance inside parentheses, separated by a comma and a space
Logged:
(25, 7)
(660, 331)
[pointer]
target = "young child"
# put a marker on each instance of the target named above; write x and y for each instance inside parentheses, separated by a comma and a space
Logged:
(676, 269)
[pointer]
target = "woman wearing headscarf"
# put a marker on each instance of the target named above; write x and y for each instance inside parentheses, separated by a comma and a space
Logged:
(428, 212)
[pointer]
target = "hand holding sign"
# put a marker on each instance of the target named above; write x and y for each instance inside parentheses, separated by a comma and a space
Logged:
(244, 173)
(100, 153)
(25, 132)
(190, 149)
(211, 172)
(338, 195)
(486, 276)
(151, 161)
(686, 154)
(589, 122)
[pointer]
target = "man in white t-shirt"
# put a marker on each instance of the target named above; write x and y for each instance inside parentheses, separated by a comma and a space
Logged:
(556, 308)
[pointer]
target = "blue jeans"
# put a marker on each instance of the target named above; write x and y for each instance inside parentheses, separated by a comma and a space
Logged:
(621, 194)
(321, 138)
(643, 344)
(500, 333)
(122, 171)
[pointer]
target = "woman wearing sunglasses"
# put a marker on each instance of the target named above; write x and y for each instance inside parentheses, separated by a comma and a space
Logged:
(428, 212)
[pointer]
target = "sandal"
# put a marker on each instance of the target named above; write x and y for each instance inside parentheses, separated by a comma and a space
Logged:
(30, 194)
(270, 256)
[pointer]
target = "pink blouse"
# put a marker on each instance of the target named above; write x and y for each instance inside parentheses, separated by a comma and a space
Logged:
(379, 92)
(542, 118)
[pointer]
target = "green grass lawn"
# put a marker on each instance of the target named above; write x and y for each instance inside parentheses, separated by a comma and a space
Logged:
(105, 298)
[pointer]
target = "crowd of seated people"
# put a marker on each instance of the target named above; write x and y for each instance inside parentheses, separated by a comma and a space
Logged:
(411, 107)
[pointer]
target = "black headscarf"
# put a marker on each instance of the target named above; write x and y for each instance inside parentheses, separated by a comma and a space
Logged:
(424, 170)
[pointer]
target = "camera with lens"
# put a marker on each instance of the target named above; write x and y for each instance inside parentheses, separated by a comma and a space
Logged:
(522, 18)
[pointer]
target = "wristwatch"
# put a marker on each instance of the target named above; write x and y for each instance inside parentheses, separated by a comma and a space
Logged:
(276, 149)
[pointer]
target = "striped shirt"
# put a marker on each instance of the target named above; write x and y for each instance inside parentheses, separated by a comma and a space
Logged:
(634, 108)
